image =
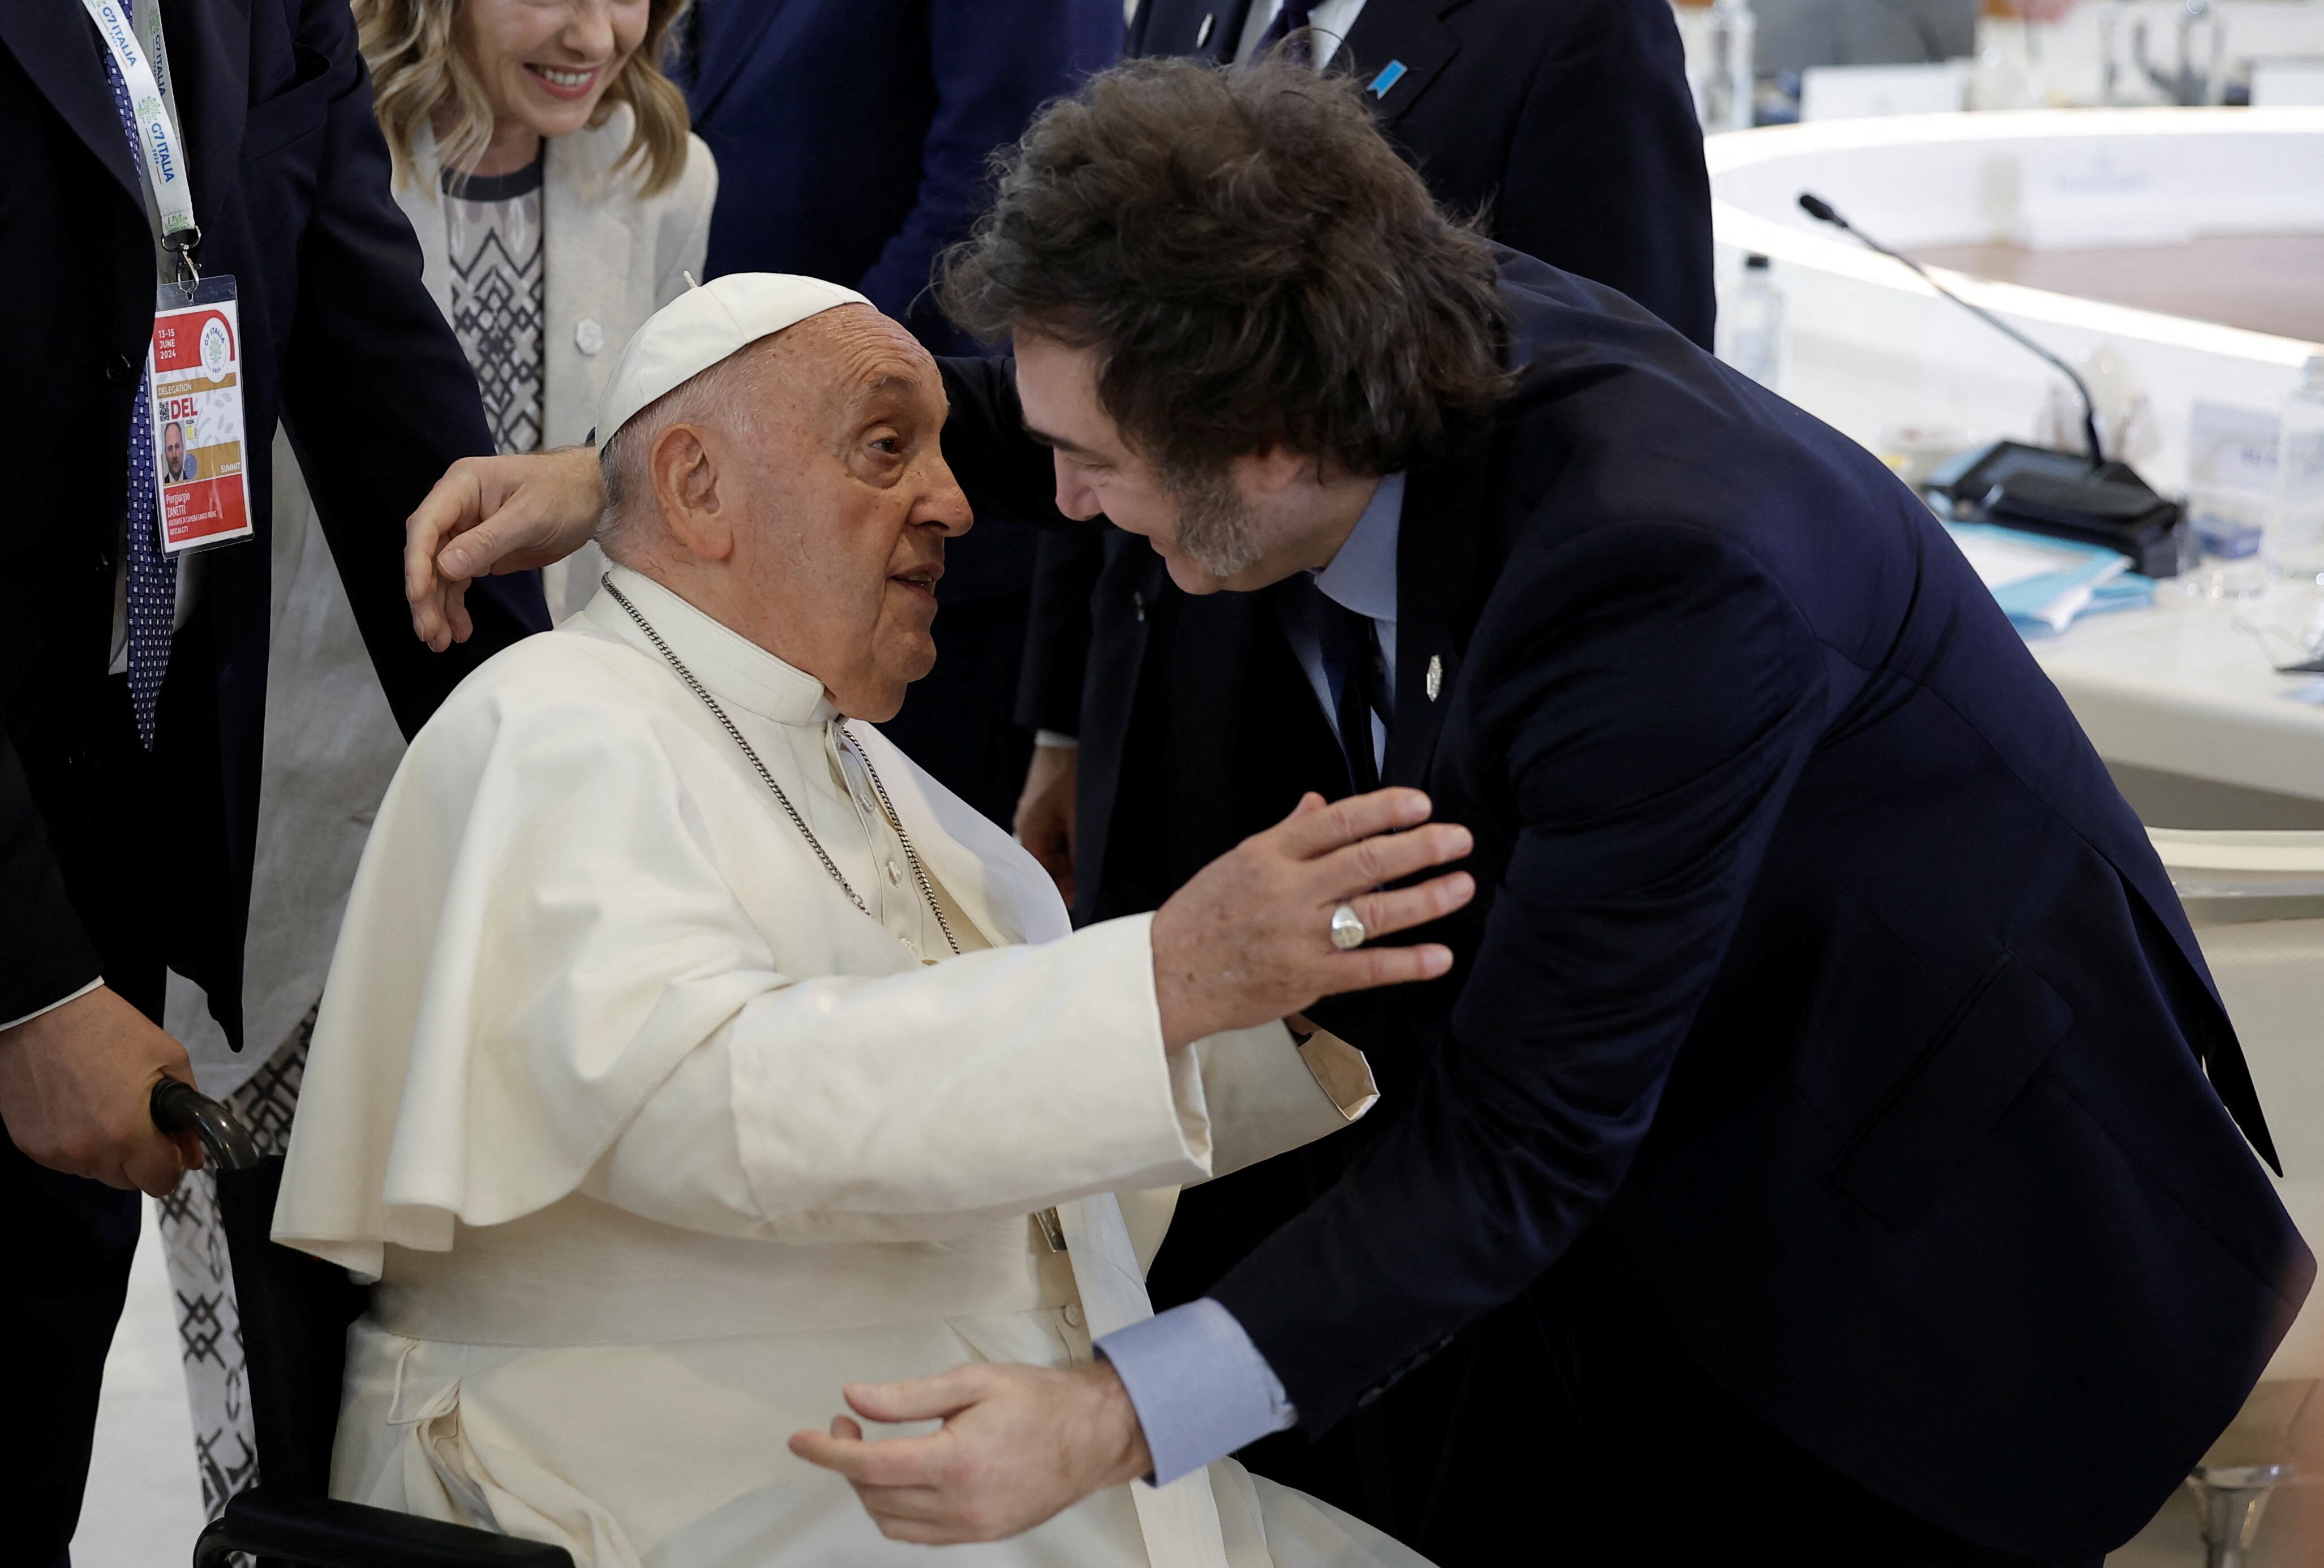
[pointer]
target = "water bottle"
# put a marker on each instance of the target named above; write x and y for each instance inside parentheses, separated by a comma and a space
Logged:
(1735, 31)
(2295, 524)
(1751, 325)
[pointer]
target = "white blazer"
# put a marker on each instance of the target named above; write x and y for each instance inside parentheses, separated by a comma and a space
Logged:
(613, 258)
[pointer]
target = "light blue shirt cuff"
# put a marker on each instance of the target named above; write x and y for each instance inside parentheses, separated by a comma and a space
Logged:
(1200, 1387)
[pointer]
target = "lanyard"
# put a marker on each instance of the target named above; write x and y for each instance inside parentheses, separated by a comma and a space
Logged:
(145, 66)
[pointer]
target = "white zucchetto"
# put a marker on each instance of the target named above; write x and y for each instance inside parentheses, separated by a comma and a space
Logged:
(704, 326)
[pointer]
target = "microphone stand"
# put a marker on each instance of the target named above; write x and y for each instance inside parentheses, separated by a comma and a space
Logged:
(1823, 211)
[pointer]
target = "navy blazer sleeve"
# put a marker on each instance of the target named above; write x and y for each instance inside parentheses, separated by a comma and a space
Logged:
(1002, 471)
(1049, 685)
(1647, 696)
(1006, 473)
(989, 80)
(367, 323)
(49, 955)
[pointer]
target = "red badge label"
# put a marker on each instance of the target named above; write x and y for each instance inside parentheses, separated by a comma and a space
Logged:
(198, 441)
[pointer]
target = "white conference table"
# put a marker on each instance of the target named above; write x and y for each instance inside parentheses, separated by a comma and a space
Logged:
(2188, 687)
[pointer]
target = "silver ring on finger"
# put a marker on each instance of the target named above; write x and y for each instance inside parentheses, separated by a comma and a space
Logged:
(1347, 928)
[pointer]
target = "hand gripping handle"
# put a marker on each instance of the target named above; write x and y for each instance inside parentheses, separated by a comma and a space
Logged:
(180, 1107)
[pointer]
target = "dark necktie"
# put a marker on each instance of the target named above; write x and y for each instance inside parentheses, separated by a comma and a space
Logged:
(1350, 644)
(152, 576)
(1291, 19)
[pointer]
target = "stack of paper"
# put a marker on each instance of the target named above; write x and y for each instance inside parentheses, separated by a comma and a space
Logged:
(2042, 583)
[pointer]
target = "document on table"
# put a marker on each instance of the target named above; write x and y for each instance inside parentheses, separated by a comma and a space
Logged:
(2042, 583)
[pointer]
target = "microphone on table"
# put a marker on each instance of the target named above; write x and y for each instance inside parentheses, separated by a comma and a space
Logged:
(2068, 495)
(1823, 211)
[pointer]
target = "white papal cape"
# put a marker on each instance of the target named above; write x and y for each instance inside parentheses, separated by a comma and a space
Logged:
(651, 1137)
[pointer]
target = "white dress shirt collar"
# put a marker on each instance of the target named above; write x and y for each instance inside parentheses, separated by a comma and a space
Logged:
(735, 668)
(1330, 22)
(1362, 575)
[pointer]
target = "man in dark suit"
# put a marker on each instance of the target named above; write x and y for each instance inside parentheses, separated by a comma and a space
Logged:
(1825, 1150)
(1565, 126)
(852, 138)
(126, 823)
(1569, 127)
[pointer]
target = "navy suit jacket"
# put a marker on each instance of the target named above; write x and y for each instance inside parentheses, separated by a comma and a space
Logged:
(1567, 124)
(340, 338)
(853, 136)
(1818, 973)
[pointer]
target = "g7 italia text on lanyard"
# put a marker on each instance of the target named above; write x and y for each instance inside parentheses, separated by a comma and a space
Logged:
(194, 357)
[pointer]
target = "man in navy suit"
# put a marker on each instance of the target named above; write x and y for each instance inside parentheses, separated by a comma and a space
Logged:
(1826, 1151)
(1568, 129)
(1566, 124)
(852, 139)
(125, 850)
(1565, 127)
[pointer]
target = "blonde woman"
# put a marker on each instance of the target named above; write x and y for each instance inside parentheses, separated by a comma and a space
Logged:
(544, 162)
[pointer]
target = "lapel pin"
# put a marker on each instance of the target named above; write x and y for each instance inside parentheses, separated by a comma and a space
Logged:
(1390, 74)
(1203, 33)
(1436, 681)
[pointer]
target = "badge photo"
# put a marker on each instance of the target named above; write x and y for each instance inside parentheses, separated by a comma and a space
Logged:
(195, 365)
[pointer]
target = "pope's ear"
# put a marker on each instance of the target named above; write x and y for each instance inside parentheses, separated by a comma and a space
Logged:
(686, 487)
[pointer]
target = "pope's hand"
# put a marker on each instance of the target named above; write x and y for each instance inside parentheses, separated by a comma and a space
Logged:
(494, 514)
(1017, 1444)
(1248, 939)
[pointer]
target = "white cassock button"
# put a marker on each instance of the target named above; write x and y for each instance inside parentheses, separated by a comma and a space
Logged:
(1074, 1314)
(895, 877)
(589, 337)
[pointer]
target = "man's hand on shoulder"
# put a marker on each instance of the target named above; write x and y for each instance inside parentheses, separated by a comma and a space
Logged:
(1019, 1445)
(494, 514)
(74, 1086)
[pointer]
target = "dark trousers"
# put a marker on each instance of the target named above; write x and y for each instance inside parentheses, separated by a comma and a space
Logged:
(65, 1242)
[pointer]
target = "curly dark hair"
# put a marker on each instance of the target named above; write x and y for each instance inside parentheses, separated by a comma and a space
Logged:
(1252, 261)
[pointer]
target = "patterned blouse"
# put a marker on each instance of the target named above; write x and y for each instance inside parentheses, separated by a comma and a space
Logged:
(493, 235)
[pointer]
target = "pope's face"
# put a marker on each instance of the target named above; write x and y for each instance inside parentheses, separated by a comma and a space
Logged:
(848, 507)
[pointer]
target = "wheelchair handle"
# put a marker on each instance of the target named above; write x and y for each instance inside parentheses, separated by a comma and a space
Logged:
(180, 1107)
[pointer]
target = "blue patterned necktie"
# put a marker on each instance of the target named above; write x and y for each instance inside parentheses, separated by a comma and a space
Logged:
(1291, 19)
(152, 576)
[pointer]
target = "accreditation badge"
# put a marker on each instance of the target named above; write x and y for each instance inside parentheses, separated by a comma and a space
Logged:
(195, 371)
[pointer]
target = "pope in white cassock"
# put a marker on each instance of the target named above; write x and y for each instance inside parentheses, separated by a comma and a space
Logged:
(686, 1048)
